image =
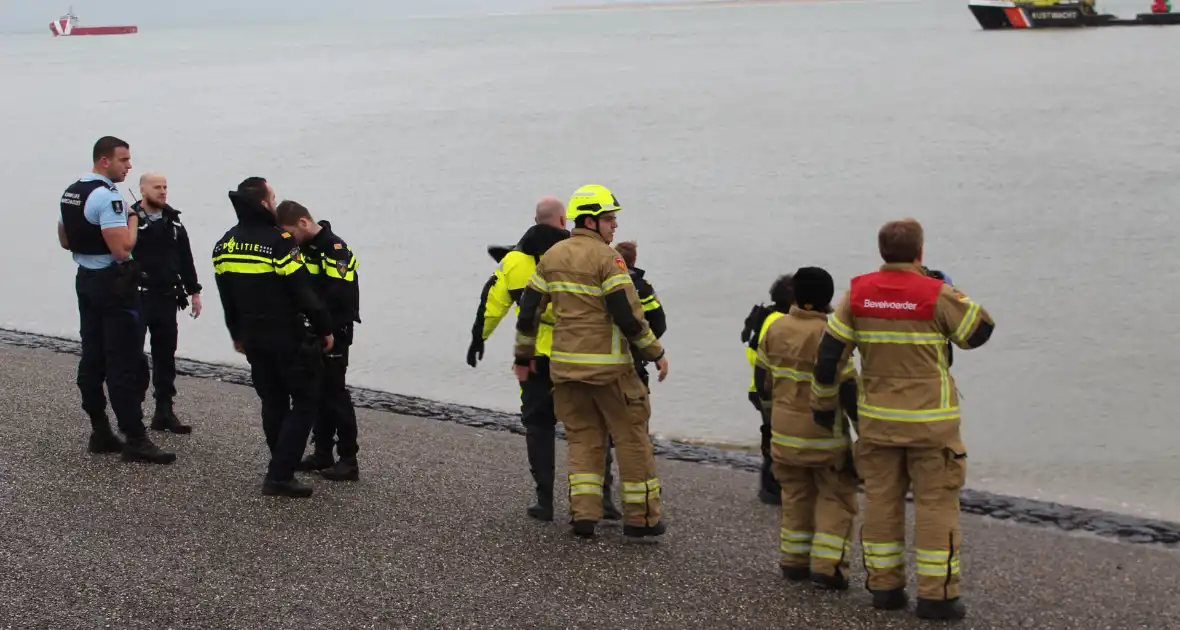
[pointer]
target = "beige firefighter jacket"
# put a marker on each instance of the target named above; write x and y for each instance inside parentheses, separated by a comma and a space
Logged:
(577, 276)
(787, 351)
(899, 320)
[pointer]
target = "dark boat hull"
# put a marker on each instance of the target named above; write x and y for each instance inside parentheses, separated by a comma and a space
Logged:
(1001, 14)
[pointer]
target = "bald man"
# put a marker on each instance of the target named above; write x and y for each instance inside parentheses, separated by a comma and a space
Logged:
(170, 278)
(500, 293)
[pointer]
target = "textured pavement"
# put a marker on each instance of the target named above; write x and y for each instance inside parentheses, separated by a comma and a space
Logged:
(434, 536)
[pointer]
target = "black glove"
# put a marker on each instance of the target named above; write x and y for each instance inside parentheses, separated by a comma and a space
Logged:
(474, 350)
(825, 419)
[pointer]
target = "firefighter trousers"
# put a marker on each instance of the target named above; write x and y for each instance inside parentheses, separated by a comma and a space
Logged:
(937, 475)
(592, 414)
(819, 506)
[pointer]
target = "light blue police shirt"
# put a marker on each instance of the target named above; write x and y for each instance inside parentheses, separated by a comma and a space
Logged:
(100, 211)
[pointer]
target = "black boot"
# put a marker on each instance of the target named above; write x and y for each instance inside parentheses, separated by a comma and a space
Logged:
(650, 533)
(165, 419)
(318, 460)
(539, 444)
(104, 441)
(290, 488)
(344, 470)
(542, 510)
(796, 574)
(890, 600)
(835, 582)
(951, 609)
(584, 529)
(141, 449)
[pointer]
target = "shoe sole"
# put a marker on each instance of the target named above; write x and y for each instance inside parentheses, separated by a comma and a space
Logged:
(170, 430)
(282, 493)
(165, 460)
(830, 586)
(355, 477)
(104, 451)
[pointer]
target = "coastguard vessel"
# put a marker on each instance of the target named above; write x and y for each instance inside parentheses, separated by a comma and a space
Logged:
(67, 25)
(1005, 14)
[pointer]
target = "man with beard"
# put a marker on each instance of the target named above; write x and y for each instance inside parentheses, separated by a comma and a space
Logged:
(170, 278)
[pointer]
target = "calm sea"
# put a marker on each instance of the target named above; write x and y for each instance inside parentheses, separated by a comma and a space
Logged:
(743, 142)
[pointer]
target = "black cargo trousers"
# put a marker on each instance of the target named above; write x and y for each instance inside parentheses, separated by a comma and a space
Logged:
(286, 374)
(159, 315)
(540, 425)
(112, 332)
(337, 416)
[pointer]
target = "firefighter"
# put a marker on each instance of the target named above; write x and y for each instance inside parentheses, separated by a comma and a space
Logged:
(812, 464)
(502, 290)
(898, 319)
(759, 319)
(596, 389)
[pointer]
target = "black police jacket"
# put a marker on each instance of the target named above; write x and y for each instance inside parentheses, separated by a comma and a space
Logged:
(333, 269)
(265, 289)
(653, 310)
(164, 254)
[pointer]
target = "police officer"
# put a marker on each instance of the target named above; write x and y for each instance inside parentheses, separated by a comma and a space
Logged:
(333, 269)
(899, 319)
(596, 389)
(757, 322)
(170, 278)
(96, 227)
(269, 304)
(502, 290)
(653, 310)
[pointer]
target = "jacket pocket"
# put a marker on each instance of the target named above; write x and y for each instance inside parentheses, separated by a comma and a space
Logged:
(635, 397)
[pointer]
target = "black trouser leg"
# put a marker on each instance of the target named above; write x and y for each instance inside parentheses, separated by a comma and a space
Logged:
(336, 411)
(769, 484)
(122, 333)
(300, 371)
(92, 364)
(160, 318)
(540, 425)
(268, 384)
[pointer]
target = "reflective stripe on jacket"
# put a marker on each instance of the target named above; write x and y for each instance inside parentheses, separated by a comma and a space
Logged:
(577, 277)
(787, 351)
(899, 319)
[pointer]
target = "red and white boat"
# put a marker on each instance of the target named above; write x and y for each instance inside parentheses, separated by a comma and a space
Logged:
(68, 25)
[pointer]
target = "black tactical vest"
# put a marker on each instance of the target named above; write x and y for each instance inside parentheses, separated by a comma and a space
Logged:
(83, 236)
(156, 251)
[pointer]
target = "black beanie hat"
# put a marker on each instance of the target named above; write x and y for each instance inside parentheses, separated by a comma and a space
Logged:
(813, 288)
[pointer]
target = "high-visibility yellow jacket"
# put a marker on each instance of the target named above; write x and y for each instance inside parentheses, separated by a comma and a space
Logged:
(503, 290)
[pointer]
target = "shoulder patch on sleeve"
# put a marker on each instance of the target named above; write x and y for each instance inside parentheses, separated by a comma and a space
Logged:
(117, 206)
(337, 246)
(286, 235)
(621, 264)
(296, 254)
